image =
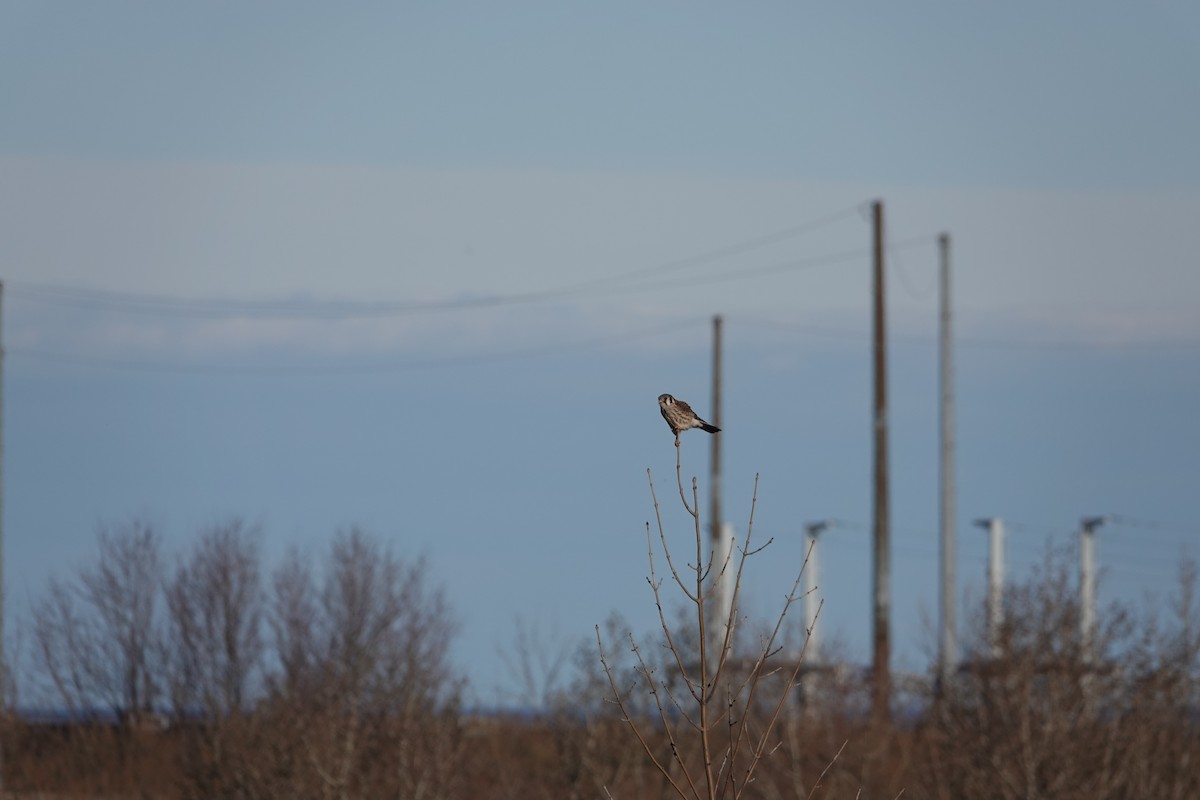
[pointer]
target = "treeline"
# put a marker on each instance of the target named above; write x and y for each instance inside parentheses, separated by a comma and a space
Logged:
(322, 677)
(329, 677)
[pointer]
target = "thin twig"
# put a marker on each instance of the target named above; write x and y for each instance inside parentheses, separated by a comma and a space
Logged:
(828, 766)
(663, 536)
(679, 479)
(784, 695)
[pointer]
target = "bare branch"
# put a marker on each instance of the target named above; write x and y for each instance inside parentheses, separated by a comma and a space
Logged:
(825, 771)
(663, 538)
(619, 699)
(655, 583)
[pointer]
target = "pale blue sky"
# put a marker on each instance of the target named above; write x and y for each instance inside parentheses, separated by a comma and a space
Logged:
(301, 154)
(925, 93)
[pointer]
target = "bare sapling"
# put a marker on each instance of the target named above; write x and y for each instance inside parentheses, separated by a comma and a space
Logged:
(706, 716)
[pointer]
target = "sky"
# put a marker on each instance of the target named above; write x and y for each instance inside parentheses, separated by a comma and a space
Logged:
(424, 268)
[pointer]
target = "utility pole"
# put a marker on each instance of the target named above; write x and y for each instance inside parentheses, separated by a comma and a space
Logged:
(995, 575)
(725, 569)
(3, 667)
(948, 642)
(714, 490)
(812, 649)
(810, 674)
(881, 562)
(1087, 584)
(721, 541)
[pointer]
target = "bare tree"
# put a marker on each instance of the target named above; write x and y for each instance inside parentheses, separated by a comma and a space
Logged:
(1044, 719)
(712, 714)
(293, 616)
(385, 635)
(536, 662)
(214, 657)
(97, 638)
(215, 607)
(63, 642)
(364, 692)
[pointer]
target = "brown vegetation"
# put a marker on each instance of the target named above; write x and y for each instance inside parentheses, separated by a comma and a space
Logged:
(330, 678)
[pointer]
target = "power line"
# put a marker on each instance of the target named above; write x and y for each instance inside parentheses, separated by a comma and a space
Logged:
(347, 369)
(743, 272)
(912, 536)
(1153, 526)
(142, 303)
(346, 310)
(964, 341)
(724, 276)
(914, 292)
(745, 246)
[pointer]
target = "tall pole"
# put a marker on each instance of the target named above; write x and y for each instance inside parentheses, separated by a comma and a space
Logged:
(1087, 584)
(812, 572)
(995, 578)
(714, 510)
(881, 563)
(810, 676)
(3, 667)
(995, 582)
(947, 644)
(726, 570)
(722, 575)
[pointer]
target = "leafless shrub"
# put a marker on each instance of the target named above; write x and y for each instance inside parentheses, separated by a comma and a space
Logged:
(364, 698)
(709, 714)
(1042, 720)
(565, 742)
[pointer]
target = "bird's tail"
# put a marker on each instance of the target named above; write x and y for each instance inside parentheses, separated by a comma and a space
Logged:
(710, 428)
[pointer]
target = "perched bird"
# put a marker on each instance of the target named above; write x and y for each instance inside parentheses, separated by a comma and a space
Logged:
(680, 417)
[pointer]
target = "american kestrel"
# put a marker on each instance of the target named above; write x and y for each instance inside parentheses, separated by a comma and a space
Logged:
(680, 417)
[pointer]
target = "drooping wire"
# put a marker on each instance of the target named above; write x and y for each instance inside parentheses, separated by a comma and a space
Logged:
(132, 302)
(274, 370)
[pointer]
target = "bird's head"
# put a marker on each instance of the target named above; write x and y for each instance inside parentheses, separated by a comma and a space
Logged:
(665, 400)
